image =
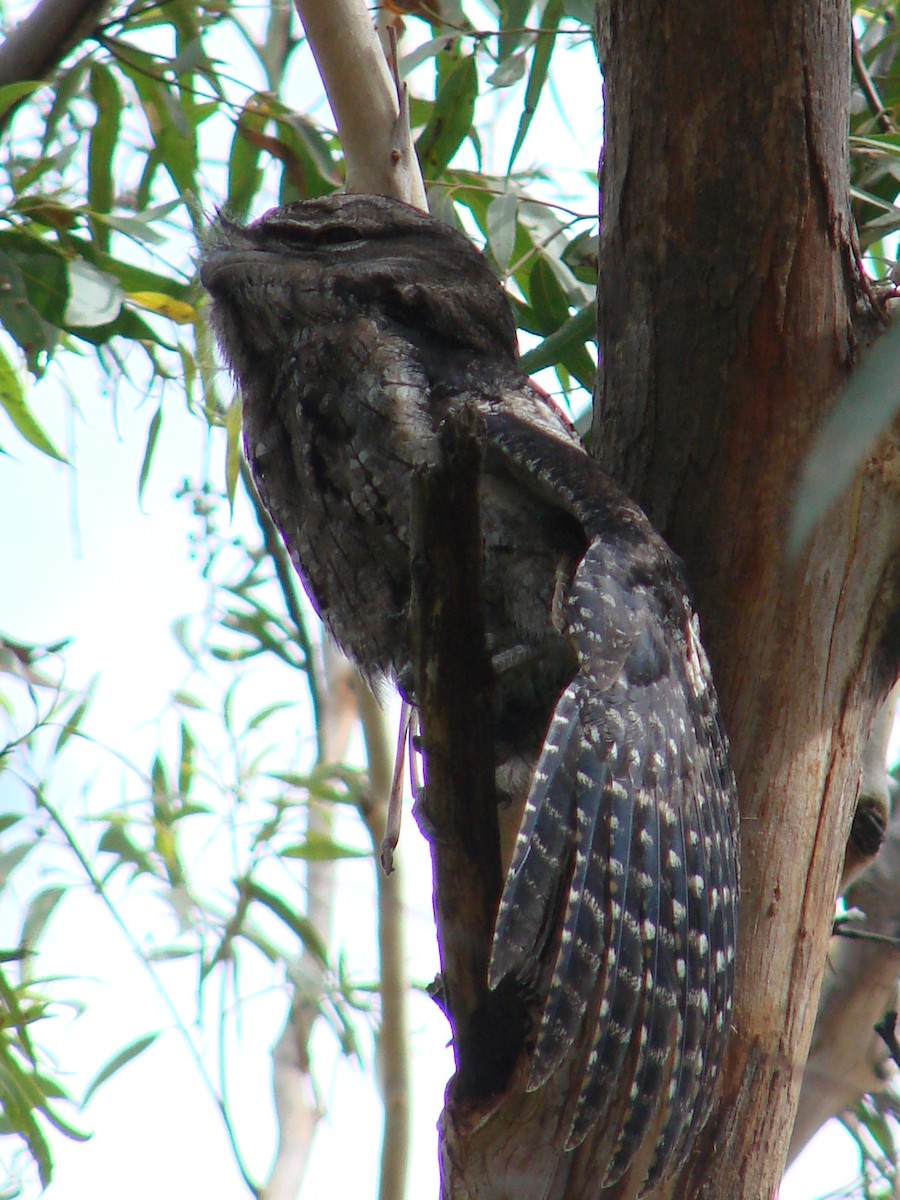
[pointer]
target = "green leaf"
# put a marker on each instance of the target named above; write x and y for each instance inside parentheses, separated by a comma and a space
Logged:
(12, 401)
(102, 146)
(546, 294)
(10, 859)
(232, 449)
(66, 87)
(576, 331)
(513, 28)
(135, 279)
(540, 65)
(167, 122)
(866, 407)
(33, 290)
(583, 11)
(38, 913)
(263, 715)
(327, 781)
(17, 1102)
(311, 169)
(244, 174)
(133, 227)
(12, 93)
(509, 72)
(116, 841)
(186, 760)
(160, 785)
(300, 925)
(118, 1061)
(73, 723)
(451, 118)
(317, 848)
(189, 57)
(129, 324)
(16, 1013)
(501, 228)
(149, 450)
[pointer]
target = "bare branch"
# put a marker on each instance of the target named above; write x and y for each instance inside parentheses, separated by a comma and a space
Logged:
(371, 118)
(868, 88)
(393, 1040)
(37, 45)
(295, 1100)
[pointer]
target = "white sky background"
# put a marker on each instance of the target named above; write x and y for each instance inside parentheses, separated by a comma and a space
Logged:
(117, 589)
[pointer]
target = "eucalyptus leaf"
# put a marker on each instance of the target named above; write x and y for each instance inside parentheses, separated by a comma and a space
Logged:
(866, 407)
(14, 404)
(540, 66)
(501, 228)
(454, 110)
(95, 297)
(12, 93)
(118, 1061)
(510, 71)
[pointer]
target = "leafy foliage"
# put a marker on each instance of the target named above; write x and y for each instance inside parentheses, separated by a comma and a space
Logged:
(37, 718)
(875, 131)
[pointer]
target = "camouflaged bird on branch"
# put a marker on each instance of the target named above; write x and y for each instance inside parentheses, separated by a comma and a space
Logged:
(358, 328)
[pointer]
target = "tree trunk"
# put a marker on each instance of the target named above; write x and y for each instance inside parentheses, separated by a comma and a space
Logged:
(729, 280)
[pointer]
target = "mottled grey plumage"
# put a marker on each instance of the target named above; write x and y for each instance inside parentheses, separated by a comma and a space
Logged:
(356, 326)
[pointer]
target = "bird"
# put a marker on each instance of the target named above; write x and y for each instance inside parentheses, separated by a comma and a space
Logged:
(357, 327)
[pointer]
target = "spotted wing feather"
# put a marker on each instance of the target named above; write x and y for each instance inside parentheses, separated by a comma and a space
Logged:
(632, 808)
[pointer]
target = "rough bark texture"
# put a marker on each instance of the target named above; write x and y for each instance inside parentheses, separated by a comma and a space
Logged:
(728, 280)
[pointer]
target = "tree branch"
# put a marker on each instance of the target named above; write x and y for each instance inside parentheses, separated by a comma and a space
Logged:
(868, 88)
(296, 1105)
(372, 120)
(39, 43)
(393, 1038)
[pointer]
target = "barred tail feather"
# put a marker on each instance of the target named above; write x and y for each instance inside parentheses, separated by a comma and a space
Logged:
(584, 934)
(530, 897)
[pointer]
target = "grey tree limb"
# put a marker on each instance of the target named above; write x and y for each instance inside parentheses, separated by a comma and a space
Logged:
(297, 1108)
(371, 115)
(39, 43)
(393, 1035)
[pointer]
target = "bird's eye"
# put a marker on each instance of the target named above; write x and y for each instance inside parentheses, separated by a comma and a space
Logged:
(333, 235)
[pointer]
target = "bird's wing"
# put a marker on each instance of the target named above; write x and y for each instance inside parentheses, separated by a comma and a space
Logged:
(624, 871)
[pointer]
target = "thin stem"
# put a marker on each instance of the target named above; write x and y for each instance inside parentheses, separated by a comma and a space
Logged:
(869, 90)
